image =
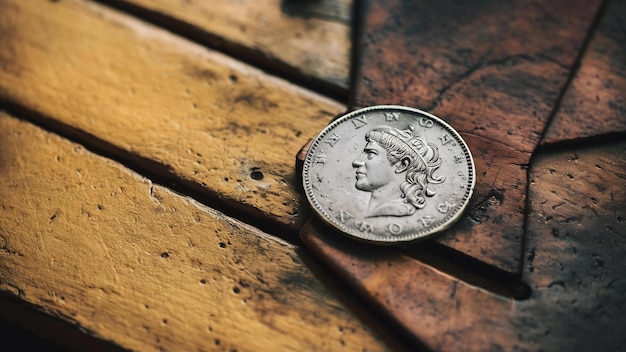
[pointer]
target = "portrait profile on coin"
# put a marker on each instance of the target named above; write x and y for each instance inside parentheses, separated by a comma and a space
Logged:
(388, 174)
(398, 168)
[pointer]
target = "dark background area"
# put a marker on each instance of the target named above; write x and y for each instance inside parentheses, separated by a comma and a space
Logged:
(15, 338)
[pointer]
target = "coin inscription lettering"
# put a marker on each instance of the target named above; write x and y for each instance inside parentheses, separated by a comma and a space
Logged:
(359, 121)
(389, 174)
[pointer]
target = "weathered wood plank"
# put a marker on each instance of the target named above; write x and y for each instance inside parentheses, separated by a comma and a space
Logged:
(442, 313)
(308, 40)
(575, 249)
(87, 241)
(576, 239)
(595, 102)
(494, 70)
(153, 99)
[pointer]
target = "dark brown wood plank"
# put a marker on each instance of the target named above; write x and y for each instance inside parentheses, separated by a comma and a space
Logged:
(569, 295)
(574, 268)
(595, 102)
(494, 70)
(440, 312)
(575, 253)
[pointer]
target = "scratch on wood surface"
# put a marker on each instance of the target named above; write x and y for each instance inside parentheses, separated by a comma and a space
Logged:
(107, 253)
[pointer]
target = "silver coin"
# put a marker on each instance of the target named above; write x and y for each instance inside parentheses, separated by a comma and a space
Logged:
(389, 174)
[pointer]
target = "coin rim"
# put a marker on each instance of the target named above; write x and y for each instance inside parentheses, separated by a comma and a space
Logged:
(328, 219)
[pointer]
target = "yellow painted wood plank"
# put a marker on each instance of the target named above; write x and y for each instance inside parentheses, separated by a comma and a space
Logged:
(228, 128)
(311, 38)
(85, 240)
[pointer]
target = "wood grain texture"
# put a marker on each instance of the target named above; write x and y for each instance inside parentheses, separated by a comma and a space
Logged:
(494, 70)
(595, 102)
(576, 239)
(441, 312)
(306, 40)
(576, 243)
(87, 241)
(150, 98)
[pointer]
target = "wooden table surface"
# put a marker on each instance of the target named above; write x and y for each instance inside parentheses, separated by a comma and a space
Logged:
(150, 198)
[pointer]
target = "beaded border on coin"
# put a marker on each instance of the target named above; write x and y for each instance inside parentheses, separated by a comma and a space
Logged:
(376, 230)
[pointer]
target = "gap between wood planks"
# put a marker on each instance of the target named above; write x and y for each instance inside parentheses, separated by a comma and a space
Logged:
(440, 257)
(156, 172)
(237, 51)
(51, 327)
(447, 260)
(570, 77)
(436, 255)
(538, 147)
(51, 333)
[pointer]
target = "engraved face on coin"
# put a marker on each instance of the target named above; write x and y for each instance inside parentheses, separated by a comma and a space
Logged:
(388, 174)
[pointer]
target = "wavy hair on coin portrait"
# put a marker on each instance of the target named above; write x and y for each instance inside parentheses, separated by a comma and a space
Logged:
(397, 167)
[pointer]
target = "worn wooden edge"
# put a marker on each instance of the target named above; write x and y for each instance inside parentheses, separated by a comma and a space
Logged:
(162, 174)
(222, 129)
(281, 37)
(594, 105)
(389, 332)
(415, 297)
(130, 262)
(492, 70)
(572, 266)
(574, 245)
(464, 239)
